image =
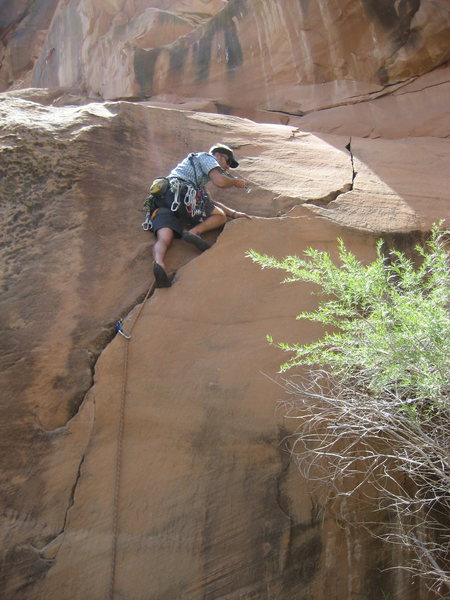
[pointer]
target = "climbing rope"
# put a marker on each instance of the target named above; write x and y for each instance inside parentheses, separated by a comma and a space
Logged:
(120, 437)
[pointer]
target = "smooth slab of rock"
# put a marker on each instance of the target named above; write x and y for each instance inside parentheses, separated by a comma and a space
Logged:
(73, 181)
(206, 496)
(399, 185)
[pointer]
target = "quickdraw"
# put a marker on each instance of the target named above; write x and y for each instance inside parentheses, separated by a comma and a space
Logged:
(147, 224)
(121, 330)
(193, 208)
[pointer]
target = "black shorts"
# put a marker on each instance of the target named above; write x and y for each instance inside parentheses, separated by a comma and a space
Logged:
(163, 216)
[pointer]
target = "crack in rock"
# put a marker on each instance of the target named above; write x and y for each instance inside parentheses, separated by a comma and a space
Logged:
(299, 113)
(106, 335)
(422, 89)
(326, 200)
(389, 89)
(370, 97)
(352, 159)
(73, 492)
(50, 543)
(347, 187)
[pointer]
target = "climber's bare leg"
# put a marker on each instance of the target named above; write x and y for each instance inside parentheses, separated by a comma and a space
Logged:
(164, 238)
(216, 219)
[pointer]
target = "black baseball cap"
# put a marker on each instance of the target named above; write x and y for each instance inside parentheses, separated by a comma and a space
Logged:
(228, 152)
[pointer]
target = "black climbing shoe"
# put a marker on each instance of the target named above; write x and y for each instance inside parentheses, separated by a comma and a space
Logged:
(161, 277)
(196, 240)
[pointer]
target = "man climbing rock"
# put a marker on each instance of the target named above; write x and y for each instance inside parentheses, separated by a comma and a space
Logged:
(185, 199)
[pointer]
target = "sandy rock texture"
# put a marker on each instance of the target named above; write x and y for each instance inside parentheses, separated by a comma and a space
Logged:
(156, 468)
(206, 496)
(304, 63)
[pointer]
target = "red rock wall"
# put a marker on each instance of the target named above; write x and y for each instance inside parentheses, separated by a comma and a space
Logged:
(208, 505)
(257, 58)
(206, 499)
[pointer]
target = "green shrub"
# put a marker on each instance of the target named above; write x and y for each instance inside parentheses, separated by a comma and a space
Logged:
(373, 408)
(388, 322)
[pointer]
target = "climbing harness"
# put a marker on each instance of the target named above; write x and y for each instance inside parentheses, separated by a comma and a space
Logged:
(193, 197)
(120, 438)
(183, 193)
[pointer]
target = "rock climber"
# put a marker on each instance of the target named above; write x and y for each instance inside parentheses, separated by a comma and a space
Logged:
(185, 198)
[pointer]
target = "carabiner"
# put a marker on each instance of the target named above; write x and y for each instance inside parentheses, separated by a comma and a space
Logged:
(121, 331)
(146, 225)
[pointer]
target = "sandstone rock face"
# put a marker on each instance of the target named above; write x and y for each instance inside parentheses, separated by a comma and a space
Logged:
(205, 496)
(155, 468)
(23, 29)
(270, 61)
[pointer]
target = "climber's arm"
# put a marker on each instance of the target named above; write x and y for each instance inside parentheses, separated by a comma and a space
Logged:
(222, 180)
(230, 212)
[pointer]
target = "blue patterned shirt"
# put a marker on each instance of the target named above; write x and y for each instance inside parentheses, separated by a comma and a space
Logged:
(204, 163)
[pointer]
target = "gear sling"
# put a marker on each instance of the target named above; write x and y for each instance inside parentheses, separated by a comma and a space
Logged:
(194, 200)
